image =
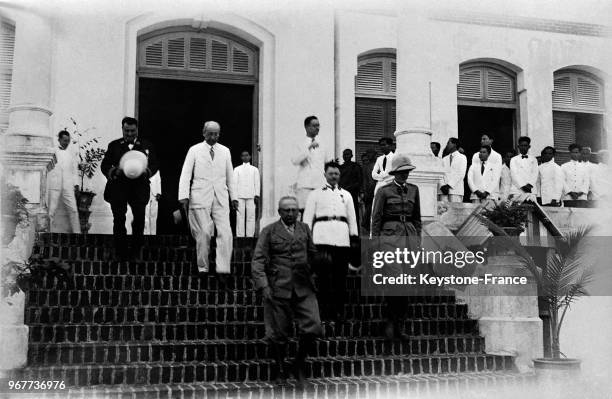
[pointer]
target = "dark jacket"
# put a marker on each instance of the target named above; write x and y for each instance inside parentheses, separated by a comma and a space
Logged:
(396, 211)
(121, 187)
(282, 261)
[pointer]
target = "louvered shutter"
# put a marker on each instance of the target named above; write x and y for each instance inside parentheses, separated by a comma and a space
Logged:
(370, 77)
(564, 134)
(562, 92)
(7, 47)
(176, 52)
(154, 55)
(197, 53)
(588, 93)
(393, 85)
(374, 118)
(240, 61)
(574, 91)
(470, 84)
(220, 56)
(499, 87)
(486, 84)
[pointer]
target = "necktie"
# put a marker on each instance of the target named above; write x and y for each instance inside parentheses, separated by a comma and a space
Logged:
(450, 160)
(524, 156)
(384, 162)
(212, 153)
(482, 167)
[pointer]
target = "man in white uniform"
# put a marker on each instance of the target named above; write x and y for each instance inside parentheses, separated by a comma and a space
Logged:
(247, 187)
(495, 157)
(63, 181)
(591, 167)
(381, 169)
(576, 180)
(602, 189)
(483, 177)
(550, 179)
(204, 185)
(524, 170)
(309, 157)
(455, 166)
(330, 214)
(505, 181)
(151, 209)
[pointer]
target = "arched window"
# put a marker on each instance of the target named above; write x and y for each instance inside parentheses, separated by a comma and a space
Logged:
(7, 47)
(375, 86)
(487, 102)
(578, 108)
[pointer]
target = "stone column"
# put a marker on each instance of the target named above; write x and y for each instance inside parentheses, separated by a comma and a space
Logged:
(28, 143)
(417, 62)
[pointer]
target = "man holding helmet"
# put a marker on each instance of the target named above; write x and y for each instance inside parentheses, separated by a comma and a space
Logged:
(128, 164)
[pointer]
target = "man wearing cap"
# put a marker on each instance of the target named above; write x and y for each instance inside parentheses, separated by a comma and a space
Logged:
(330, 214)
(281, 271)
(205, 189)
(396, 218)
(122, 191)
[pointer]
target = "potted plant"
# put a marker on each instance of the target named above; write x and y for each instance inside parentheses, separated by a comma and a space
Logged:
(90, 156)
(510, 215)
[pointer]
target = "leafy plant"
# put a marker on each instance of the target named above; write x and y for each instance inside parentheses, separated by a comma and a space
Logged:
(14, 207)
(32, 274)
(507, 213)
(90, 153)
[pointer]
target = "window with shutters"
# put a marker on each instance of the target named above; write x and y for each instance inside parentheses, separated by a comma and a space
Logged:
(7, 47)
(578, 108)
(486, 85)
(375, 87)
(186, 51)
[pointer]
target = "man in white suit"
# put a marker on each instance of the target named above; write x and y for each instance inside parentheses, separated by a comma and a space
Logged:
(246, 182)
(455, 166)
(62, 181)
(483, 177)
(550, 179)
(524, 170)
(204, 185)
(495, 157)
(381, 169)
(577, 180)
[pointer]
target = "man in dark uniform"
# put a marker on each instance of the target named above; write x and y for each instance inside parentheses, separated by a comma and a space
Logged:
(351, 178)
(121, 191)
(396, 223)
(281, 270)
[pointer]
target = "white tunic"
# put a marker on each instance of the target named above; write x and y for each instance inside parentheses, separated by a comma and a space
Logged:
(455, 167)
(310, 163)
(325, 202)
(602, 182)
(576, 179)
(523, 171)
(494, 157)
(550, 182)
(505, 182)
(487, 181)
(246, 181)
(380, 174)
(65, 173)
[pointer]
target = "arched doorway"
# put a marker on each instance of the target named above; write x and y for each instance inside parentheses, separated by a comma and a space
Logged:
(186, 76)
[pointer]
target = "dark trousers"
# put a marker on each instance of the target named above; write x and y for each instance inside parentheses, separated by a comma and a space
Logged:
(119, 208)
(279, 314)
(331, 269)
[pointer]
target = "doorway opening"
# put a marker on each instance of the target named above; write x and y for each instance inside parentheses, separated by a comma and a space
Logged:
(171, 115)
(474, 121)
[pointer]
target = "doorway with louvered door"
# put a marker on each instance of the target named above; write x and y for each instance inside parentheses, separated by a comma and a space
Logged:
(187, 77)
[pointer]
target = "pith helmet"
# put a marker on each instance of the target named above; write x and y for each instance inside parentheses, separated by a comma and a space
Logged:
(401, 162)
(133, 163)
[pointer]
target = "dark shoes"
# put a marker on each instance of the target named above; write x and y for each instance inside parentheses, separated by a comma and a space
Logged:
(393, 331)
(279, 352)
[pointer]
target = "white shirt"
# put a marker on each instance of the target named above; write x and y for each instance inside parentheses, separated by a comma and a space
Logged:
(592, 171)
(455, 166)
(505, 181)
(550, 182)
(310, 163)
(246, 181)
(488, 181)
(65, 173)
(523, 171)
(602, 181)
(380, 174)
(494, 157)
(576, 179)
(325, 202)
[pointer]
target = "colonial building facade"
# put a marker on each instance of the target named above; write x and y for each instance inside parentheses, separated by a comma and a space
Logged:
(429, 74)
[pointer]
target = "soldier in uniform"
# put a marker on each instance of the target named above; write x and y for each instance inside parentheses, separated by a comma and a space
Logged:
(281, 271)
(396, 218)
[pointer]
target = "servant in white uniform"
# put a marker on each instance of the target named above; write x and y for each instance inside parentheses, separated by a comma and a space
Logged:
(505, 182)
(591, 167)
(381, 169)
(63, 181)
(602, 189)
(455, 166)
(205, 189)
(576, 179)
(483, 177)
(524, 170)
(495, 157)
(550, 179)
(247, 187)
(151, 209)
(330, 214)
(309, 157)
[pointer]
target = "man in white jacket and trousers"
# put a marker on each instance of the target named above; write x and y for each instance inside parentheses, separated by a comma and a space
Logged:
(483, 177)
(550, 179)
(455, 166)
(524, 170)
(204, 185)
(246, 186)
(62, 181)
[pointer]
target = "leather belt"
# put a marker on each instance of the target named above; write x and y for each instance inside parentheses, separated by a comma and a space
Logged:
(328, 218)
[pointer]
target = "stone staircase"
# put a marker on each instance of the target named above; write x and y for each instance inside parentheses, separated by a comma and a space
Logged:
(155, 328)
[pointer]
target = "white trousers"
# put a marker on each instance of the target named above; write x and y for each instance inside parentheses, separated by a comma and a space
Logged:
(451, 197)
(150, 218)
(66, 197)
(245, 217)
(202, 222)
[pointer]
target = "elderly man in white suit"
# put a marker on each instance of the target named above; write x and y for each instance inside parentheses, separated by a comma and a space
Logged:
(204, 186)
(483, 177)
(62, 180)
(455, 166)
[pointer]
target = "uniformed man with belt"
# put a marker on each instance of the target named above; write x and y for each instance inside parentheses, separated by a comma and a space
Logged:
(331, 216)
(281, 271)
(396, 222)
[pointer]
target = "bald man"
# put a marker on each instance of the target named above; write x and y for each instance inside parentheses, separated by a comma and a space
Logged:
(204, 187)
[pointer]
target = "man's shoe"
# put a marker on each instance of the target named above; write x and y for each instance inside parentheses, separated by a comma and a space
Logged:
(223, 280)
(279, 354)
(389, 330)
